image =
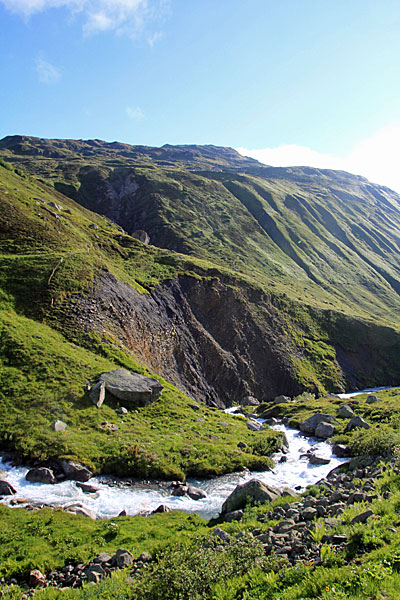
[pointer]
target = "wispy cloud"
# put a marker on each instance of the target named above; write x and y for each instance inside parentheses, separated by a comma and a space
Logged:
(375, 157)
(135, 113)
(46, 72)
(120, 16)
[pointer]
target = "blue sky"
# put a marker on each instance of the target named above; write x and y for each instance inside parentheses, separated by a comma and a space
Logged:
(288, 82)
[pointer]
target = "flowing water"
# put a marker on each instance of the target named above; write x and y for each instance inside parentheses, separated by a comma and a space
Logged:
(110, 500)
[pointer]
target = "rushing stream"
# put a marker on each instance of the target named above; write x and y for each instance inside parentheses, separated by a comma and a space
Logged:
(109, 501)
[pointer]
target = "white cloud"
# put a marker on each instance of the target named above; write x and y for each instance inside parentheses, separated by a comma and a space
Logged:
(376, 157)
(135, 113)
(46, 72)
(120, 16)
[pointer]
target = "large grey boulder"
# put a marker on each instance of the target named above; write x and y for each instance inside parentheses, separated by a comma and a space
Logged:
(75, 471)
(310, 425)
(324, 430)
(357, 422)
(345, 412)
(131, 387)
(40, 475)
(253, 491)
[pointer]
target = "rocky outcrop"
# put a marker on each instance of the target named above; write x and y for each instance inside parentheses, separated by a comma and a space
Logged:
(179, 331)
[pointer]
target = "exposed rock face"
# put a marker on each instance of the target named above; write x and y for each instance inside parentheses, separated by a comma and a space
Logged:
(179, 331)
(131, 387)
(253, 490)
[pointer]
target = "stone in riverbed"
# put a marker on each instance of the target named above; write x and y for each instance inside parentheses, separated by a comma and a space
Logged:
(87, 488)
(310, 425)
(40, 475)
(6, 489)
(318, 460)
(75, 471)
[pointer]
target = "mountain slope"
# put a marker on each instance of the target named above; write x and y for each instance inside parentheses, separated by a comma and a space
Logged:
(327, 238)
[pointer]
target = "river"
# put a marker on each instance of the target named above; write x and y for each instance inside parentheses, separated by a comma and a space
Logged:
(110, 500)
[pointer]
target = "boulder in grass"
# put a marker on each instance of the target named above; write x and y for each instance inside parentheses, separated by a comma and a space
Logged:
(324, 430)
(78, 509)
(357, 422)
(249, 401)
(131, 387)
(75, 471)
(255, 425)
(345, 412)
(97, 393)
(59, 426)
(282, 399)
(310, 425)
(251, 491)
(372, 399)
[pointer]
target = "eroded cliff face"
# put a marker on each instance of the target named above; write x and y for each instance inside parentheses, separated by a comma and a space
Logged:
(200, 334)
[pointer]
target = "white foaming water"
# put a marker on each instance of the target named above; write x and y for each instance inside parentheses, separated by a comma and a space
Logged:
(110, 501)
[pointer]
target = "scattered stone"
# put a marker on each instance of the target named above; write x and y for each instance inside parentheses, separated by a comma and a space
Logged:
(253, 490)
(123, 558)
(36, 578)
(97, 393)
(6, 489)
(78, 509)
(309, 513)
(87, 488)
(362, 517)
(122, 410)
(345, 412)
(59, 426)
(235, 515)
(254, 425)
(282, 399)
(341, 451)
(163, 508)
(324, 430)
(318, 460)
(220, 533)
(355, 422)
(249, 401)
(40, 475)
(371, 399)
(242, 445)
(195, 493)
(93, 226)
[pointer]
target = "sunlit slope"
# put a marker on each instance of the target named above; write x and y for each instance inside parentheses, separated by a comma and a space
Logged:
(326, 238)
